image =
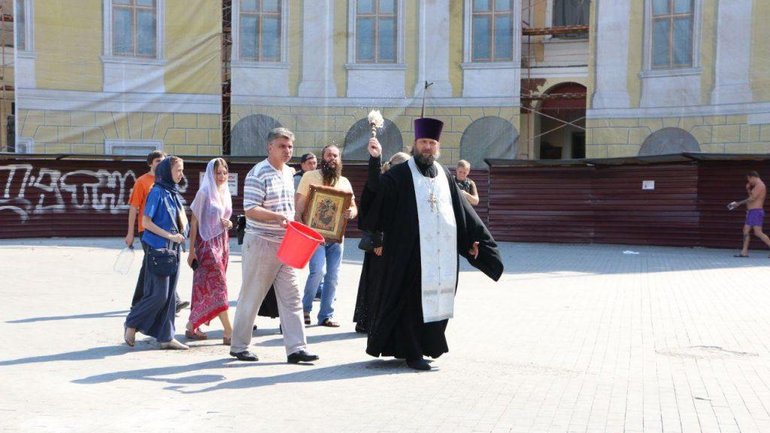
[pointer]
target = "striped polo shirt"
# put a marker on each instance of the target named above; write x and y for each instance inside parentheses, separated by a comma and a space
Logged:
(272, 189)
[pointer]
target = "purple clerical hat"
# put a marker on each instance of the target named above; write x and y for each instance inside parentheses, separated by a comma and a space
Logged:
(425, 127)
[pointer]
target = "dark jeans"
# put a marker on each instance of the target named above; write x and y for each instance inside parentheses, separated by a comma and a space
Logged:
(139, 290)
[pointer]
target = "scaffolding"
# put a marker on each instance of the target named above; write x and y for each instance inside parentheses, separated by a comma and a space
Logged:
(7, 106)
(227, 47)
(529, 93)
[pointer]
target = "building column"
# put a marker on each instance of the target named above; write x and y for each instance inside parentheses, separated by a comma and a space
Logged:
(733, 57)
(433, 49)
(317, 49)
(611, 69)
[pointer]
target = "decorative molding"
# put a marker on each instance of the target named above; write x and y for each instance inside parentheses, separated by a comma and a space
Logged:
(258, 78)
(433, 102)
(755, 111)
(68, 100)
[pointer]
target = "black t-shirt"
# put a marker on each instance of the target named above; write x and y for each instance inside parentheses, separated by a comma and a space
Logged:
(466, 185)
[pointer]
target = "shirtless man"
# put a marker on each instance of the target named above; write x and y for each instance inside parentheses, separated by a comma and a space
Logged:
(755, 213)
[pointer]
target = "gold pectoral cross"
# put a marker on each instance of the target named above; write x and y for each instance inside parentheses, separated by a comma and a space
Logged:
(433, 202)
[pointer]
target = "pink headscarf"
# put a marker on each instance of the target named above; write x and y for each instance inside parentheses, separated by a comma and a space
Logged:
(207, 207)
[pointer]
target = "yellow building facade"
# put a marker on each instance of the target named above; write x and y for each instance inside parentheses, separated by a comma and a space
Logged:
(339, 59)
(118, 77)
(670, 77)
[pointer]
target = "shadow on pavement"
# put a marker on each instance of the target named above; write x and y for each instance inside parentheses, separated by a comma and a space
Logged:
(155, 374)
(314, 339)
(79, 355)
(374, 367)
(119, 313)
(354, 370)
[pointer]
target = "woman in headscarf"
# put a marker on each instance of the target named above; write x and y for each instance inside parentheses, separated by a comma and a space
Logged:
(210, 251)
(371, 270)
(165, 223)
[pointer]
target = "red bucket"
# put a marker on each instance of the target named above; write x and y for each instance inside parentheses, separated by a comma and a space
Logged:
(299, 244)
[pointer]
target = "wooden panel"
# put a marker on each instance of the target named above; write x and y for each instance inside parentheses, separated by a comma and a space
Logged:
(721, 182)
(527, 204)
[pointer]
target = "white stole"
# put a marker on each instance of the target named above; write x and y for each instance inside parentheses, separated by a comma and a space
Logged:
(438, 243)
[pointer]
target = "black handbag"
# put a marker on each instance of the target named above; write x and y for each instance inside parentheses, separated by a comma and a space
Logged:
(164, 262)
(369, 241)
(240, 227)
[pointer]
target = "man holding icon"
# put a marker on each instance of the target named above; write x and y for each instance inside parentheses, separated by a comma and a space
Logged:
(326, 261)
(268, 202)
(755, 213)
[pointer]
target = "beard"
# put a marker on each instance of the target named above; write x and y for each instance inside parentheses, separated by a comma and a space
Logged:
(330, 171)
(425, 159)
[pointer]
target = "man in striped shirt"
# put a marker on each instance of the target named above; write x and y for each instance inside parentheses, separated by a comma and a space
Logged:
(268, 202)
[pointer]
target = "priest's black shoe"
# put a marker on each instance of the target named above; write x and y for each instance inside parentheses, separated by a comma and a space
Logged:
(245, 356)
(301, 356)
(419, 364)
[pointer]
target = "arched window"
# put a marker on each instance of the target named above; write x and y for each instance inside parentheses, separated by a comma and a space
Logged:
(358, 135)
(249, 135)
(669, 140)
(488, 137)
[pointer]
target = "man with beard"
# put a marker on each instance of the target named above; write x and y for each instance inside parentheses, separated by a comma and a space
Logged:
(325, 263)
(426, 222)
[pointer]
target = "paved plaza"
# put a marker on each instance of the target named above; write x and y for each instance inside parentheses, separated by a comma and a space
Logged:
(573, 338)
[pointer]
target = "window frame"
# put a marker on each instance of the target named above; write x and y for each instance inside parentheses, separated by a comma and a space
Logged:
(283, 38)
(109, 53)
(140, 147)
(353, 62)
(470, 14)
(549, 17)
(29, 34)
(376, 15)
(695, 30)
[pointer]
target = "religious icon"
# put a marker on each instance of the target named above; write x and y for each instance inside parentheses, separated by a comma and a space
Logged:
(325, 212)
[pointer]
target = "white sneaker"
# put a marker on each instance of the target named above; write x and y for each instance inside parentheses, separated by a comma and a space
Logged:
(174, 345)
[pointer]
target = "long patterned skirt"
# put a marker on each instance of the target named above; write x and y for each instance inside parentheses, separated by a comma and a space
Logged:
(209, 290)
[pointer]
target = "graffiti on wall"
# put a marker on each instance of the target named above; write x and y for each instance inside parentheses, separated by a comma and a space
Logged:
(29, 191)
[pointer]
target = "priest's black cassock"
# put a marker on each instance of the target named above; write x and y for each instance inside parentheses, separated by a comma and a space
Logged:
(396, 324)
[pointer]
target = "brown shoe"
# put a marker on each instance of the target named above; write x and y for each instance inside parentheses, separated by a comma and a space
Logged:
(330, 323)
(307, 318)
(197, 335)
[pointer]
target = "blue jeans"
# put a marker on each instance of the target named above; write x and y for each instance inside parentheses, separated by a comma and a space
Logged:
(324, 266)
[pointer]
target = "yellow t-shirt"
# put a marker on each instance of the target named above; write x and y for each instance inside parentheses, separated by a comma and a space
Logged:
(316, 178)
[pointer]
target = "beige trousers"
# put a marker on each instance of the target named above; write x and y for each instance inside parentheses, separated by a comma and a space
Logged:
(261, 269)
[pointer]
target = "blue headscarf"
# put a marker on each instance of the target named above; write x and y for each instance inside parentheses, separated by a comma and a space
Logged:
(164, 178)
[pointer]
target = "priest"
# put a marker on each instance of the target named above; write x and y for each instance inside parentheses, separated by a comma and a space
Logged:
(427, 224)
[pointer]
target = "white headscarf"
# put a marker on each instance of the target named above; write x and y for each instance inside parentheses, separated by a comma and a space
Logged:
(207, 207)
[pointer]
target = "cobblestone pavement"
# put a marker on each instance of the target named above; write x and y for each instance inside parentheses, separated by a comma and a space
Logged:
(574, 338)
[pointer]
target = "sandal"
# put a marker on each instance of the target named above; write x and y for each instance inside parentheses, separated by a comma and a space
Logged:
(197, 335)
(227, 340)
(307, 318)
(330, 323)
